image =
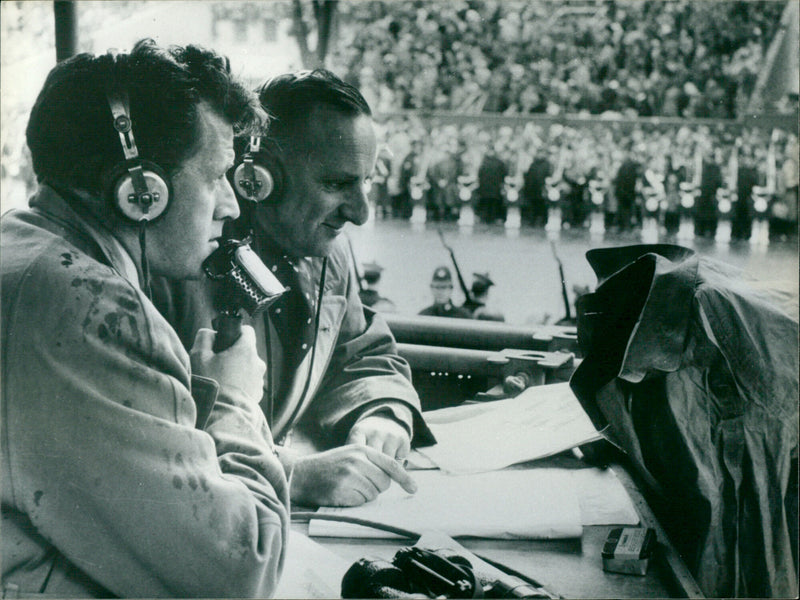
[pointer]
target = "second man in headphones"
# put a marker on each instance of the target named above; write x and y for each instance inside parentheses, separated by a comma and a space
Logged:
(333, 368)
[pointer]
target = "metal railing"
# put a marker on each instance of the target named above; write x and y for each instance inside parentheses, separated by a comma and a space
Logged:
(479, 335)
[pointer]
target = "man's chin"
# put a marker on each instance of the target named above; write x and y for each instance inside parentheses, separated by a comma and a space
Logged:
(323, 249)
(319, 248)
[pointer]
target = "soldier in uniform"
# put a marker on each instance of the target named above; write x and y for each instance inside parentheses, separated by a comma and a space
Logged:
(492, 173)
(534, 191)
(369, 294)
(476, 305)
(625, 184)
(705, 210)
(442, 289)
(379, 189)
(402, 202)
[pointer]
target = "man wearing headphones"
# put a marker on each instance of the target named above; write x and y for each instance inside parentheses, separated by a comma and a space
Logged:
(110, 486)
(333, 367)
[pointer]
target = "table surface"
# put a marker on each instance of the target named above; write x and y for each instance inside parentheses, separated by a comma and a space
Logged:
(572, 568)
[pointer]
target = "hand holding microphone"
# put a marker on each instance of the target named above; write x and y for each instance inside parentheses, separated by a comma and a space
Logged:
(237, 368)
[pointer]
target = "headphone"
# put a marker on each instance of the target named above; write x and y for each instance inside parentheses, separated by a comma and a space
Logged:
(139, 189)
(260, 174)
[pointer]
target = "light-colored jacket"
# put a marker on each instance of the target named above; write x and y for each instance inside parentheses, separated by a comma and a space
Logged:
(108, 488)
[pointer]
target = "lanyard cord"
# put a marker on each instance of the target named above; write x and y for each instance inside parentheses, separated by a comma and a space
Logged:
(314, 344)
(270, 371)
(268, 334)
(305, 516)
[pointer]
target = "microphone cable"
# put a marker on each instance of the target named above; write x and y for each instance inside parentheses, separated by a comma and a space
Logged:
(145, 263)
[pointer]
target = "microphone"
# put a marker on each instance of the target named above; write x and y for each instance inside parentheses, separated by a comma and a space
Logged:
(246, 284)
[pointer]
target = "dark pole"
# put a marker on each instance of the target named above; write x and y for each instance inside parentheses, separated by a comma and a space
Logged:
(461, 282)
(66, 19)
(563, 281)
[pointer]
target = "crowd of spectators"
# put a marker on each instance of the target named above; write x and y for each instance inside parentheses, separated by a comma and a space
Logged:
(534, 58)
(674, 58)
(626, 171)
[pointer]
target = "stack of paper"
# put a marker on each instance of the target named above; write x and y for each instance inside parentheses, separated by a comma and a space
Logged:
(510, 504)
(469, 491)
(497, 505)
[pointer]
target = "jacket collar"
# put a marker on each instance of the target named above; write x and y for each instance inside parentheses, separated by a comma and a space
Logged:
(54, 203)
(657, 337)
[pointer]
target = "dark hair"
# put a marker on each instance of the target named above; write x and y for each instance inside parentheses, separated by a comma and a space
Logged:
(290, 98)
(70, 131)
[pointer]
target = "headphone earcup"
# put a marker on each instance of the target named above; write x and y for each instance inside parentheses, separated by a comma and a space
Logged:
(121, 192)
(253, 181)
(259, 176)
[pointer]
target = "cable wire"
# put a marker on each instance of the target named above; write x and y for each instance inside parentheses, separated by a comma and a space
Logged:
(306, 516)
(145, 264)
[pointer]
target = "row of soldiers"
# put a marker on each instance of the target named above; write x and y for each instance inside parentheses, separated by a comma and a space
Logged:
(474, 307)
(695, 174)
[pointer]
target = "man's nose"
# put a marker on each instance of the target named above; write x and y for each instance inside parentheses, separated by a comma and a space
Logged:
(227, 206)
(355, 208)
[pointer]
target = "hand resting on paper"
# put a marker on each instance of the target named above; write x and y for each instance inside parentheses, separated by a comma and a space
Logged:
(346, 476)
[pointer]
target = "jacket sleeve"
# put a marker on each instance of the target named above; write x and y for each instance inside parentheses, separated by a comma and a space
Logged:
(759, 344)
(104, 457)
(364, 368)
(756, 436)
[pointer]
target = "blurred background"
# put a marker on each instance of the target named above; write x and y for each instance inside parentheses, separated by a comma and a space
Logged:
(519, 134)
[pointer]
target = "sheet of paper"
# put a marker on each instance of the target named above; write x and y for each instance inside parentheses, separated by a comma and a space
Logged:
(310, 570)
(602, 498)
(511, 504)
(541, 421)
(530, 503)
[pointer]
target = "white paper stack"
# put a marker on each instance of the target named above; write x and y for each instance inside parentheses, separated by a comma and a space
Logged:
(467, 488)
(539, 503)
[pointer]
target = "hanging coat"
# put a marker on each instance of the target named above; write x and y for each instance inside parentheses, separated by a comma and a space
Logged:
(694, 375)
